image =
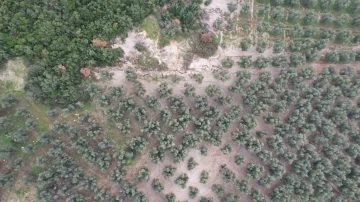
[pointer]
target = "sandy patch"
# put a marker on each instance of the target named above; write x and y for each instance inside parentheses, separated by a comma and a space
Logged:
(14, 73)
(170, 54)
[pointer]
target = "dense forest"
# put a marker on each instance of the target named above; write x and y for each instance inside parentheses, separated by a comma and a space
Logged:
(58, 38)
(52, 33)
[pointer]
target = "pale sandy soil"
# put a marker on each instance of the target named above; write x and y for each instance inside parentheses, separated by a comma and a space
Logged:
(171, 55)
(13, 73)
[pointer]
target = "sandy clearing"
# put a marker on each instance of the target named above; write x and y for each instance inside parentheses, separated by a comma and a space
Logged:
(14, 73)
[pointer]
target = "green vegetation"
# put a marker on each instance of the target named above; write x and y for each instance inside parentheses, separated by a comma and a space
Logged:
(151, 26)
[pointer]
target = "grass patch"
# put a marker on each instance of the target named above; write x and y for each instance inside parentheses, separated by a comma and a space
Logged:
(112, 133)
(8, 85)
(86, 107)
(20, 192)
(165, 40)
(5, 141)
(151, 26)
(36, 170)
(147, 62)
(132, 162)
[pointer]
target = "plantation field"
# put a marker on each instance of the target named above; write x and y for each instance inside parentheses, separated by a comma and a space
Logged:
(207, 101)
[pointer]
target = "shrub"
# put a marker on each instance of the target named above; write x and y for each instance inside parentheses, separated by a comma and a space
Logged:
(239, 160)
(262, 62)
(191, 164)
(140, 46)
(293, 15)
(296, 31)
(197, 77)
(17, 164)
(171, 197)
(310, 18)
(218, 189)
(279, 46)
(226, 149)
(228, 175)
(131, 74)
(205, 44)
(231, 198)
(245, 9)
(143, 174)
(52, 113)
(245, 61)
(31, 124)
(151, 127)
(6, 179)
(277, 13)
(221, 74)
(7, 100)
(168, 171)
(204, 176)
(21, 111)
(193, 192)
(344, 36)
(342, 20)
(254, 171)
(262, 45)
(243, 186)
(203, 151)
(232, 7)
(207, 2)
(213, 90)
(206, 199)
(227, 62)
(245, 44)
(106, 75)
(182, 180)
(297, 59)
(157, 186)
(277, 2)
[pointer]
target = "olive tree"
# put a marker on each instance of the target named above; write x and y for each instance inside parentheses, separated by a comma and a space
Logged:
(164, 90)
(157, 154)
(227, 62)
(245, 62)
(168, 171)
(245, 44)
(204, 176)
(228, 175)
(193, 192)
(262, 45)
(151, 127)
(170, 197)
(157, 186)
(213, 90)
(221, 74)
(254, 171)
(143, 174)
(131, 74)
(279, 46)
(231, 198)
(242, 186)
(191, 163)
(232, 6)
(182, 179)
